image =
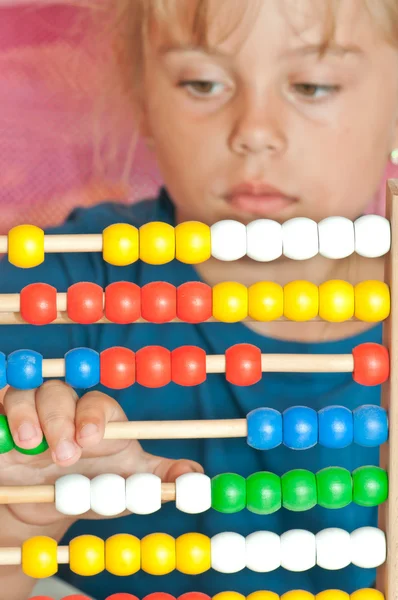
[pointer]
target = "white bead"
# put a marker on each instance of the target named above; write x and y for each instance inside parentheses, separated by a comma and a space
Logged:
(143, 493)
(193, 493)
(298, 550)
(264, 240)
(72, 494)
(333, 549)
(336, 237)
(372, 236)
(300, 238)
(228, 240)
(228, 552)
(108, 495)
(368, 547)
(263, 551)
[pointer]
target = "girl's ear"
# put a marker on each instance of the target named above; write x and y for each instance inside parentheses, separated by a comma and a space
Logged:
(144, 128)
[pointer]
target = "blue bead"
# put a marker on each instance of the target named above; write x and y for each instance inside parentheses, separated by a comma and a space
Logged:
(300, 427)
(336, 427)
(82, 368)
(370, 425)
(264, 428)
(25, 369)
(3, 371)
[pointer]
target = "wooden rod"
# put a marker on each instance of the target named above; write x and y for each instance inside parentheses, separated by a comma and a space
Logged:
(181, 430)
(387, 577)
(10, 317)
(270, 363)
(45, 494)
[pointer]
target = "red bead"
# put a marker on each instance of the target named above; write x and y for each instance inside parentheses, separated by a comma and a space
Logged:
(42, 598)
(85, 303)
(122, 597)
(75, 597)
(123, 302)
(159, 596)
(371, 364)
(38, 304)
(188, 365)
(194, 302)
(117, 368)
(194, 596)
(243, 364)
(153, 366)
(159, 302)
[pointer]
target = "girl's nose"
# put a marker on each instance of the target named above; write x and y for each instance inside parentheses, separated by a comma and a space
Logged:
(259, 128)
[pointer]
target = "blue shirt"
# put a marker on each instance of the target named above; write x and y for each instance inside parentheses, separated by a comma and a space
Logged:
(214, 399)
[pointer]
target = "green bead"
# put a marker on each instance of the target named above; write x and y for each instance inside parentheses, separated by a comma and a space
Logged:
(334, 487)
(264, 495)
(6, 440)
(299, 490)
(42, 447)
(228, 493)
(370, 486)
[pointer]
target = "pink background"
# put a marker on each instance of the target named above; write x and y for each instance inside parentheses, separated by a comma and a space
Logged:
(52, 71)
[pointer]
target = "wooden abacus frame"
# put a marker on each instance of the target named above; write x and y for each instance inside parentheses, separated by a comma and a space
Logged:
(387, 576)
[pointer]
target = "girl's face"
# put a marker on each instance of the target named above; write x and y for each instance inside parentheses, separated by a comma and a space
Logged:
(302, 134)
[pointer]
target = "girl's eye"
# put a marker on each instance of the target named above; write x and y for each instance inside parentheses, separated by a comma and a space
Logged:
(314, 91)
(201, 88)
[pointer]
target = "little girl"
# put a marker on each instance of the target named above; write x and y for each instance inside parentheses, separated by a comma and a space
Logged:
(254, 109)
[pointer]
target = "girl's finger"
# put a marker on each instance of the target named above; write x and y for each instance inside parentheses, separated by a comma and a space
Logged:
(166, 468)
(56, 407)
(23, 420)
(94, 410)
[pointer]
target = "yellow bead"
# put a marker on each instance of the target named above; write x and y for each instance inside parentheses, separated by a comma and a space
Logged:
(157, 243)
(298, 595)
(122, 554)
(193, 553)
(193, 242)
(332, 595)
(87, 555)
(260, 595)
(367, 594)
(228, 596)
(336, 301)
(26, 246)
(301, 301)
(39, 557)
(230, 302)
(120, 244)
(158, 554)
(372, 301)
(265, 301)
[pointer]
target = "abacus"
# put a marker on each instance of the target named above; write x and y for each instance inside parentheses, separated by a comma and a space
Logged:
(298, 427)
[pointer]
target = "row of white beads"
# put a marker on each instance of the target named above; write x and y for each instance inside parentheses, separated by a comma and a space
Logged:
(110, 494)
(298, 550)
(300, 238)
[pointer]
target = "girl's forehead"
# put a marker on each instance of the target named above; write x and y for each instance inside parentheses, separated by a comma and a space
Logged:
(226, 24)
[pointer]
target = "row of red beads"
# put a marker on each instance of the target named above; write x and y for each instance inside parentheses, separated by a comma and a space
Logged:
(125, 302)
(156, 366)
(122, 596)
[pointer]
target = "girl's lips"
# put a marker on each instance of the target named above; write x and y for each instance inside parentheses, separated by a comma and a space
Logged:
(262, 205)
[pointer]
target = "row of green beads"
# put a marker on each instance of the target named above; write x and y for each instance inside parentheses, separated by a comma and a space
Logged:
(299, 490)
(7, 443)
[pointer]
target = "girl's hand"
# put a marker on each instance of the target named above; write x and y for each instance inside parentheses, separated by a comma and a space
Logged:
(74, 430)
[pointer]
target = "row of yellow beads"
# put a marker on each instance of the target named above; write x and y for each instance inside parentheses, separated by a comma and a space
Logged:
(123, 244)
(121, 554)
(333, 301)
(365, 594)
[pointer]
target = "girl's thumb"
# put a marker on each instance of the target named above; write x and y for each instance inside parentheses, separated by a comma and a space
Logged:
(168, 469)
